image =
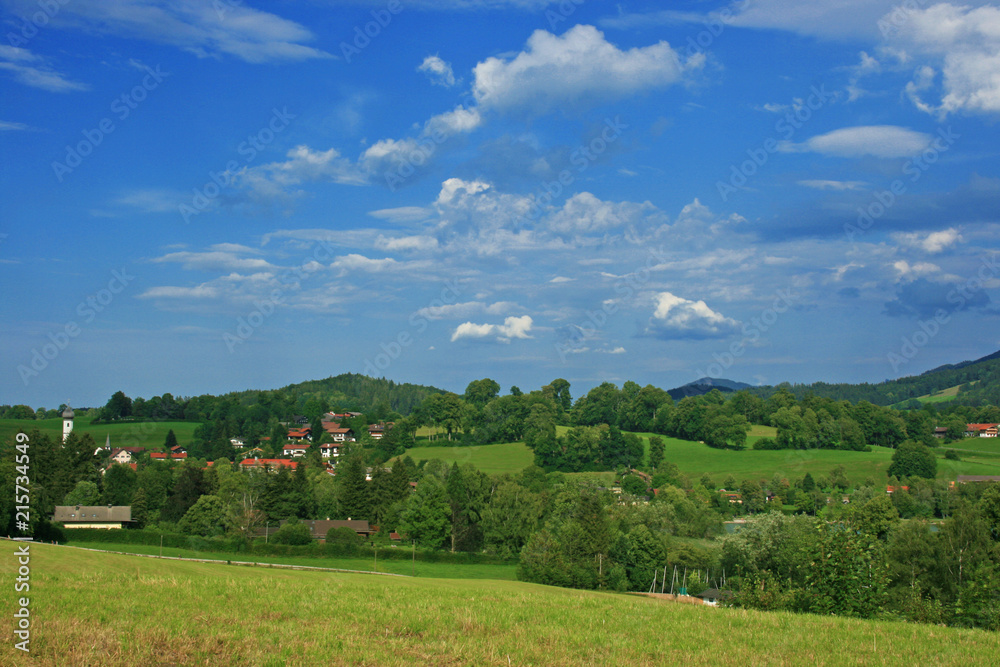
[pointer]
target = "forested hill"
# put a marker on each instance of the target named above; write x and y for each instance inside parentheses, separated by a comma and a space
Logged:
(978, 383)
(361, 393)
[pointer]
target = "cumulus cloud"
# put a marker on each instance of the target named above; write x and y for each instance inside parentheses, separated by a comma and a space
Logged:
(438, 71)
(578, 67)
(584, 213)
(512, 327)
(882, 141)
(933, 243)
(303, 165)
(406, 243)
(677, 317)
(964, 42)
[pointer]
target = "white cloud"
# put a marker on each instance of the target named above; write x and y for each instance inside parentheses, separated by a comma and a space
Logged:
(32, 70)
(206, 29)
(561, 279)
(833, 185)
(204, 291)
(303, 165)
(907, 271)
(220, 258)
(932, 243)
(579, 67)
(584, 213)
(406, 243)
(677, 317)
(964, 42)
(9, 126)
(882, 141)
(438, 71)
(512, 327)
(401, 214)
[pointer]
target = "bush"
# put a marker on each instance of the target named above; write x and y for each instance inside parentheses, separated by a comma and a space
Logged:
(952, 455)
(293, 533)
(343, 542)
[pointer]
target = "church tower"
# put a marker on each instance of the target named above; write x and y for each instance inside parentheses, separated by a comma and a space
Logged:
(67, 417)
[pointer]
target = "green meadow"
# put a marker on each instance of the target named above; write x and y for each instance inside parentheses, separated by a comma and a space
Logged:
(123, 434)
(509, 457)
(695, 459)
(91, 608)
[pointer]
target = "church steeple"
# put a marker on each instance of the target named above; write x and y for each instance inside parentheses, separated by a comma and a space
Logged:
(67, 417)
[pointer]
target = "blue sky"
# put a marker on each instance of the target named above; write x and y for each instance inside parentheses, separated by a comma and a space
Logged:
(209, 196)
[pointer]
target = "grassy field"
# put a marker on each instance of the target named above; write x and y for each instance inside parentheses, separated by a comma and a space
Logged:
(91, 608)
(126, 434)
(694, 459)
(407, 567)
(510, 457)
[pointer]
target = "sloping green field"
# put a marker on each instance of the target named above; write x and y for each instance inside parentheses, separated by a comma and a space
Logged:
(123, 434)
(509, 457)
(103, 609)
(694, 459)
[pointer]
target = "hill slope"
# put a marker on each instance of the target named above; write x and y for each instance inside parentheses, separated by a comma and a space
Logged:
(978, 382)
(95, 608)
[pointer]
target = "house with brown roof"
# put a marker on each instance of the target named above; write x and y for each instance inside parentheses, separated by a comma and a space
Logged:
(93, 516)
(268, 464)
(337, 433)
(295, 449)
(300, 434)
(320, 527)
(126, 454)
(163, 456)
(981, 430)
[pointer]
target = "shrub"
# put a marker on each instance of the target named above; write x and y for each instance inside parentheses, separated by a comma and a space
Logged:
(293, 533)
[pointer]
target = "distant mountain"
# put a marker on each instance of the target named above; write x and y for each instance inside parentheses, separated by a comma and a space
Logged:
(962, 364)
(705, 385)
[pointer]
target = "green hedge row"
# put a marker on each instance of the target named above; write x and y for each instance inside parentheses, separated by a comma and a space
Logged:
(259, 548)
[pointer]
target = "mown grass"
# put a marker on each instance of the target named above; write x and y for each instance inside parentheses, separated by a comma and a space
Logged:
(123, 434)
(407, 567)
(103, 609)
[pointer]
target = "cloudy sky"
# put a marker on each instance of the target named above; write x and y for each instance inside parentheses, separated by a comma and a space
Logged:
(211, 196)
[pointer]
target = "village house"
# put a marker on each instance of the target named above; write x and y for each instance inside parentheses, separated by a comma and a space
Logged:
(337, 433)
(300, 434)
(320, 527)
(163, 456)
(267, 464)
(981, 430)
(93, 516)
(296, 450)
(330, 449)
(237, 443)
(126, 454)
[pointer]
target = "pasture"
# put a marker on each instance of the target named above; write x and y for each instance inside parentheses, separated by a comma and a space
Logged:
(90, 608)
(150, 435)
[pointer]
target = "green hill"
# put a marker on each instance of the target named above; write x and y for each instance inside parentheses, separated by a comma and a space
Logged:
(92, 608)
(123, 434)
(973, 383)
